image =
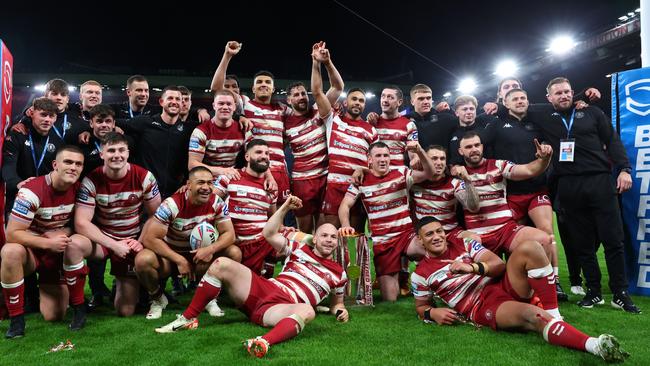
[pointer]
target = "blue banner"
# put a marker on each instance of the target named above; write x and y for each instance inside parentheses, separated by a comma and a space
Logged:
(631, 112)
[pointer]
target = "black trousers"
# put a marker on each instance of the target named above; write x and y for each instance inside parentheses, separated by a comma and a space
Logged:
(593, 216)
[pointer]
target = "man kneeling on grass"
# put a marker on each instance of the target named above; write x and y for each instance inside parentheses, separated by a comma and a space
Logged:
(481, 288)
(285, 303)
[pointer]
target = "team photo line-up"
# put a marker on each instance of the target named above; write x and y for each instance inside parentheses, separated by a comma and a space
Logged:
(201, 197)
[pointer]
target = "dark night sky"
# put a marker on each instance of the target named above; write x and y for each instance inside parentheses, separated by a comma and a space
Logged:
(462, 36)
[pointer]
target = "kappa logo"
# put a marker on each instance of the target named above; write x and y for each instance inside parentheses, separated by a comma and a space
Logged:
(640, 103)
(507, 125)
(455, 138)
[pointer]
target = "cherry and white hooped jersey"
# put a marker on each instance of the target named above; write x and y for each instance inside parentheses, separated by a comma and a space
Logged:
(438, 199)
(307, 136)
(386, 202)
(348, 144)
(459, 291)
(218, 145)
(118, 203)
(42, 207)
(249, 205)
(395, 133)
(268, 125)
(489, 179)
(307, 277)
(181, 216)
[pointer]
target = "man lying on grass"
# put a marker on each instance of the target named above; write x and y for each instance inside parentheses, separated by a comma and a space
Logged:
(481, 288)
(286, 302)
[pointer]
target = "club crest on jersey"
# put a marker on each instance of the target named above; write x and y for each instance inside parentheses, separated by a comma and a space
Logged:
(434, 118)
(51, 148)
(580, 114)
(180, 126)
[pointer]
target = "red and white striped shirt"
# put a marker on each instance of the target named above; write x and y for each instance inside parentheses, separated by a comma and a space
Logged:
(348, 144)
(42, 207)
(307, 277)
(218, 145)
(386, 202)
(307, 137)
(490, 181)
(249, 205)
(395, 133)
(438, 199)
(119, 203)
(460, 291)
(181, 216)
(268, 125)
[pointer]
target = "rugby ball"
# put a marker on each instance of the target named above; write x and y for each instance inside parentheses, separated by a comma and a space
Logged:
(203, 235)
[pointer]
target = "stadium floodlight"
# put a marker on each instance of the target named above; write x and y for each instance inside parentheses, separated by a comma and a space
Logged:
(506, 68)
(447, 94)
(369, 95)
(72, 88)
(630, 14)
(40, 87)
(623, 18)
(561, 45)
(467, 85)
(344, 94)
(637, 10)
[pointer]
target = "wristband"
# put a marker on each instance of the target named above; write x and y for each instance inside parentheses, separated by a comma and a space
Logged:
(481, 268)
(426, 317)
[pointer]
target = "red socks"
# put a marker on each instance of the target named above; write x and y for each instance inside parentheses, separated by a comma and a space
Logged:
(286, 328)
(14, 294)
(75, 278)
(542, 281)
(561, 333)
(208, 289)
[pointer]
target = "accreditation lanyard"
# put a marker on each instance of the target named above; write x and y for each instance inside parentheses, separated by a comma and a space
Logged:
(31, 145)
(131, 111)
(97, 146)
(568, 145)
(63, 127)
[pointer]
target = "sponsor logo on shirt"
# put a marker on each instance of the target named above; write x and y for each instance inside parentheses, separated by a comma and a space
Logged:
(226, 211)
(164, 213)
(21, 206)
(83, 194)
(507, 125)
(194, 143)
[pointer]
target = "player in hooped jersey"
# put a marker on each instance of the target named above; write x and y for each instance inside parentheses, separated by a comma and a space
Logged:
(108, 212)
(306, 131)
(392, 128)
(384, 193)
(285, 303)
(215, 144)
(166, 239)
(349, 139)
(266, 117)
(440, 194)
(480, 288)
(493, 221)
(39, 238)
(250, 206)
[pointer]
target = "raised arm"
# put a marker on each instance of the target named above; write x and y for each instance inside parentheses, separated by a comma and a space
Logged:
(413, 147)
(271, 230)
(535, 167)
(232, 48)
(336, 81)
(323, 103)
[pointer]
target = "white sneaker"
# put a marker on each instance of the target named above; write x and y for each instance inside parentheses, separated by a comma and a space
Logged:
(157, 306)
(213, 308)
(610, 350)
(578, 290)
(179, 324)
